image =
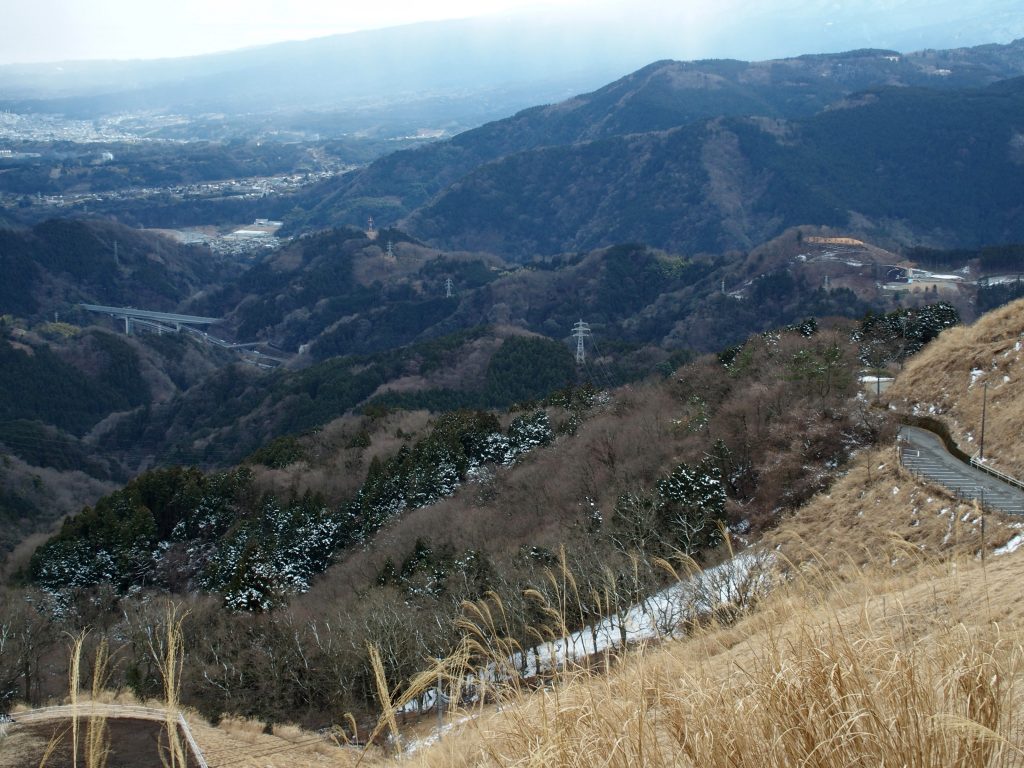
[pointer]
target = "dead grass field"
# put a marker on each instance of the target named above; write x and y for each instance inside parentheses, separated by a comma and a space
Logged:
(869, 665)
(879, 507)
(243, 744)
(890, 642)
(891, 669)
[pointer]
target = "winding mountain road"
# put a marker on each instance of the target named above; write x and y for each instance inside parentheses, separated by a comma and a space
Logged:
(923, 453)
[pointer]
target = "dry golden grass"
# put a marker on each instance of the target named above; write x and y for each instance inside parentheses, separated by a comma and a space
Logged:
(243, 744)
(97, 739)
(939, 381)
(878, 507)
(890, 642)
(169, 658)
(883, 670)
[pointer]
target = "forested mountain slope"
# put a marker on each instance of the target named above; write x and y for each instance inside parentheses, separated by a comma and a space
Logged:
(944, 165)
(390, 520)
(58, 263)
(658, 97)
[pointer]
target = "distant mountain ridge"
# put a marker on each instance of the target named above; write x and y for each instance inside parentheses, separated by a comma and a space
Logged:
(662, 96)
(454, 74)
(943, 166)
(449, 74)
(637, 160)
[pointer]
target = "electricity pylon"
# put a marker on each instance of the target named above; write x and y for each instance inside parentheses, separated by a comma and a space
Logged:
(580, 331)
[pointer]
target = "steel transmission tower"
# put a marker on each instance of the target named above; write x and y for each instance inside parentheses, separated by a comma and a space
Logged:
(580, 331)
(448, 285)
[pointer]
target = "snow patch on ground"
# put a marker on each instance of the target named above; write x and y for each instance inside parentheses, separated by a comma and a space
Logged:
(661, 615)
(1011, 546)
(435, 737)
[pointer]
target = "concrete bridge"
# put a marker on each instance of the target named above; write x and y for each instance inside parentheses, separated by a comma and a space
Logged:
(169, 322)
(158, 321)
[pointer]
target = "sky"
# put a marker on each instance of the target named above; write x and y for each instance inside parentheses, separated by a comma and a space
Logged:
(36, 31)
(65, 30)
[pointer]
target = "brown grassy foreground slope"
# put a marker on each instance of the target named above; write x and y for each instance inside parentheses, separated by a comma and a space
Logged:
(948, 377)
(891, 643)
(922, 669)
(889, 640)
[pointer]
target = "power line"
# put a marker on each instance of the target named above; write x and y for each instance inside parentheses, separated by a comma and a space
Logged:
(604, 379)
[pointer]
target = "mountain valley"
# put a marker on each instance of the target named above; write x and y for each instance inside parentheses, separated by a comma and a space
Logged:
(445, 399)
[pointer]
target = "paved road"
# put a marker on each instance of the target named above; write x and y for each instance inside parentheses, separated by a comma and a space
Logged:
(923, 453)
(129, 711)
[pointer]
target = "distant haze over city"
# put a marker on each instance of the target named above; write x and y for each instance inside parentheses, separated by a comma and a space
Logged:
(62, 30)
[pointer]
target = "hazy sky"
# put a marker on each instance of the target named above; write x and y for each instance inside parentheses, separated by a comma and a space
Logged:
(61, 30)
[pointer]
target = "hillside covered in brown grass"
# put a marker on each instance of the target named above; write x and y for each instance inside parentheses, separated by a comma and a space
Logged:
(922, 668)
(377, 528)
(895, 636)
(948, 379)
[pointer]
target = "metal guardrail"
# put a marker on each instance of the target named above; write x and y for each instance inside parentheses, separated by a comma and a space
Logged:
(197, 753)
(1008, 479)
(911, 460)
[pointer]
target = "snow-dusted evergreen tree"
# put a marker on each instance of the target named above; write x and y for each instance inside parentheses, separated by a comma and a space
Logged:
(895, 336)
(691, 504)
(459, 444)
(497, 449)
(274, 554)
(529, 432)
